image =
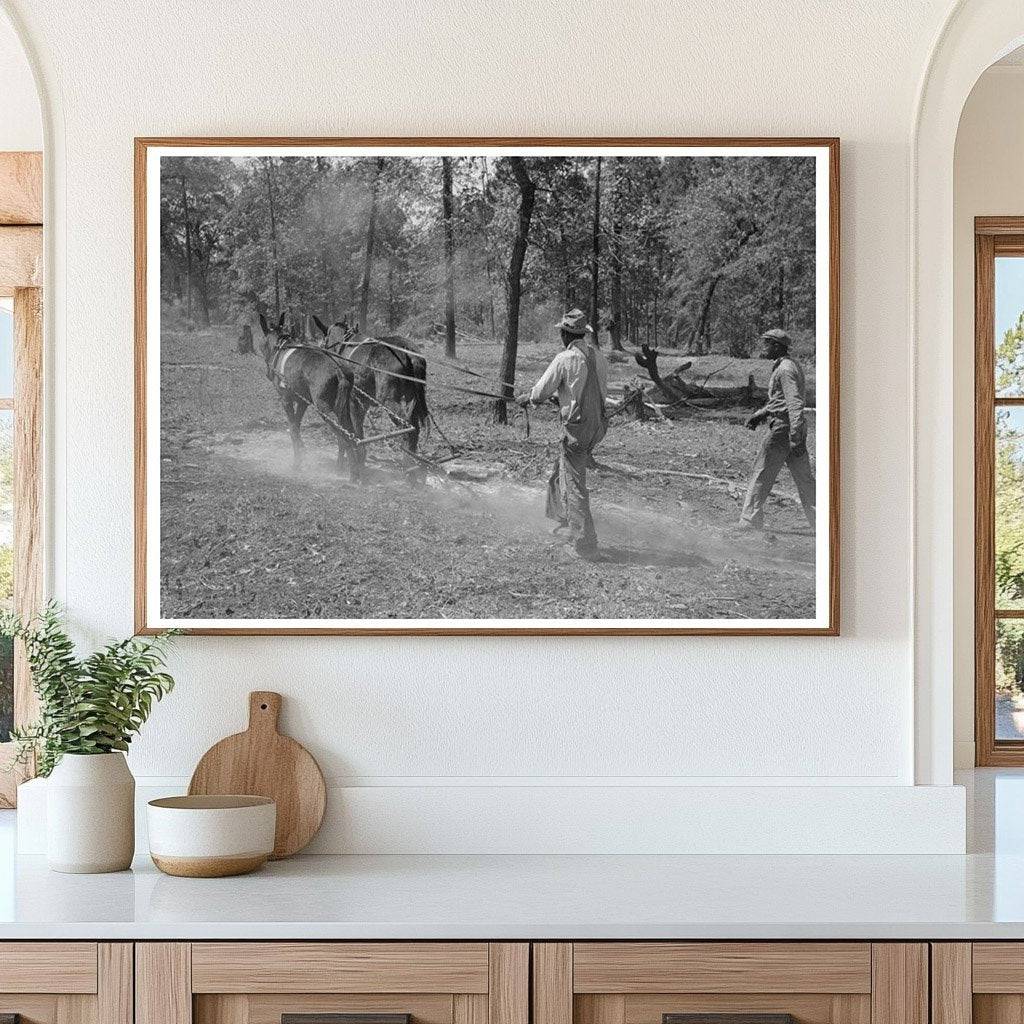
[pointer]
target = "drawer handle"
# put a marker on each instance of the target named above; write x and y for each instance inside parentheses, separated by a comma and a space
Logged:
(728, 1018)
(339, 1018)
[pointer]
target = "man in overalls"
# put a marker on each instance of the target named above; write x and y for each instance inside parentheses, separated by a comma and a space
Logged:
(579, 376)
(785, 443)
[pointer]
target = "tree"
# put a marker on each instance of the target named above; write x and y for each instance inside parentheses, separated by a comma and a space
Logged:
(189, 272)
(705, 251)
(192, 205)
(1010, 361)
(615, 253)
(368, 247)
(742, 220)
(514, 284)
(595, 258)
(325, 269)
(449, 257)
(1009, 473)
(268, 168)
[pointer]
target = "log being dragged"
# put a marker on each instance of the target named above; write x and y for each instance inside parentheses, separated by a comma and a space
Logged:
(735, 488)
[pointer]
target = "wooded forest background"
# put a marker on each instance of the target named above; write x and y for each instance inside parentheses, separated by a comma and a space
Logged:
(697, 253)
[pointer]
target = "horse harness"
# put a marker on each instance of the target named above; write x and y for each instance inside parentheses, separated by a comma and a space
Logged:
(275, 366)
(286, 348)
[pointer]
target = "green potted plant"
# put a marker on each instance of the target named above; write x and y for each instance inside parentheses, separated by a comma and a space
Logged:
(89, 710)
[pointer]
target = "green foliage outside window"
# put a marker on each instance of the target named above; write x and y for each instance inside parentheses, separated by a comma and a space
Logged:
(1009, 475)
(90, 705)
(1009, 510)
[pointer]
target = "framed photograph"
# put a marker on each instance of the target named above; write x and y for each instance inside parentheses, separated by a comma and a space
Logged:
(487, 386)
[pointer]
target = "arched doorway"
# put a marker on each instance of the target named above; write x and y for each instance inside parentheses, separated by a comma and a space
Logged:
(975, 35)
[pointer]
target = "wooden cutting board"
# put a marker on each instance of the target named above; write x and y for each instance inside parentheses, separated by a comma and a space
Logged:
(262, 762)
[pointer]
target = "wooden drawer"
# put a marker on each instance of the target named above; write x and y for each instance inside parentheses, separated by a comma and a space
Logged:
(630, 967)
(66, 982)
(48, 967)
(340, 967)
(980, 981)
(815, 982)
(259, 982)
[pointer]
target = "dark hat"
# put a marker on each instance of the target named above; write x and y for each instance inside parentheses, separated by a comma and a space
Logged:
(778, 335)
(574, 322)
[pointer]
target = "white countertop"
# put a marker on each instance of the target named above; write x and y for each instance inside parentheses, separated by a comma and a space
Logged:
(532, 897)
(978, 896)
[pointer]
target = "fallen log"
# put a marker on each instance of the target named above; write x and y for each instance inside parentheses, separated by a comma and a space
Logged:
(676, 389)
(635, 403)
(734, 487)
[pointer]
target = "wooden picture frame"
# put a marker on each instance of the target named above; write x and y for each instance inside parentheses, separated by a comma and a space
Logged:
(826, 621)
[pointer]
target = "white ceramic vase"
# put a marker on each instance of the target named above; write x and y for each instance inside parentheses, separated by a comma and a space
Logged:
(90, 814)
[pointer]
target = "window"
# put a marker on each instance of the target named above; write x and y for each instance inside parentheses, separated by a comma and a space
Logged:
(999, 490)
(21, 374)
(20, 494)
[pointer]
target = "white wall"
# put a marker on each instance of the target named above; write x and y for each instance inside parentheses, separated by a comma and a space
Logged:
(441, 713)
(988, 181)
(21, 125)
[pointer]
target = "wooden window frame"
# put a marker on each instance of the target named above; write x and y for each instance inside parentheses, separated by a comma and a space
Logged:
(993, 236)
(21, 270)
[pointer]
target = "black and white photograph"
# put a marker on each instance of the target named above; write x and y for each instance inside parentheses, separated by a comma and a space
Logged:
(470, 387)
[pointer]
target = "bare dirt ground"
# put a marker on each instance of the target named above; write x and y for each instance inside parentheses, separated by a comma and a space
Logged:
(246, 534)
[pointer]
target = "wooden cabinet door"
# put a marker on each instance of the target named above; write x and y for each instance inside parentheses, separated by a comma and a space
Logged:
(737, 982)
(977, 983)
(266, 982)
(66, 982)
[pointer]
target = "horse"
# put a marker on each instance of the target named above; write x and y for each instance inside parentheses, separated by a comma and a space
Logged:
(304, 376)
(374, 363)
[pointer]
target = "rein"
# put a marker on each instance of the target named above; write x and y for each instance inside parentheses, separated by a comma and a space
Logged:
(403, 376)
(287, 347)
(439, 361)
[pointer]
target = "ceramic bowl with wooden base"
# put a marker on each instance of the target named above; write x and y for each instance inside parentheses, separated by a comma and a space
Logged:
(211, 836)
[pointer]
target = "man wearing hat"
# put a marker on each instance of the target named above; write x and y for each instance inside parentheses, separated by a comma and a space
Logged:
(578, 375)
(785, 443)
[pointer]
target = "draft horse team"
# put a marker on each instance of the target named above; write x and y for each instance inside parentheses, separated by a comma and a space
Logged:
(343, 379)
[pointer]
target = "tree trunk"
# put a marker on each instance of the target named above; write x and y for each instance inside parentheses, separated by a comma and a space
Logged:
(449, 257)
(514, 285)
(567, 289)
(371, 233)
(326, 285)
(485, 196)
(596, 254)
(700, 330)
(615, 327)
(568, 300)
(490, 300)
(203, 294)
(657, 293)
(188, 255)
(392, 301)
(648, 359)
(268, 166)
